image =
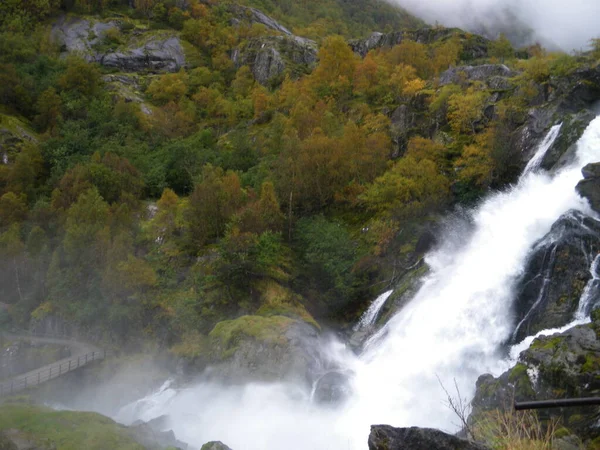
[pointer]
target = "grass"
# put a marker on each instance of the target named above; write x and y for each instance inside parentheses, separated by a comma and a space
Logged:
(65, 430)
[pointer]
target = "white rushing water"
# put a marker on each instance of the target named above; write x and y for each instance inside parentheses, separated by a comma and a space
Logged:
(370, 316)
(535, 162)
(452, 329)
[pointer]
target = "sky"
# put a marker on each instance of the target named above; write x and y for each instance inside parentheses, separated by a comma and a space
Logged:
(568, 25)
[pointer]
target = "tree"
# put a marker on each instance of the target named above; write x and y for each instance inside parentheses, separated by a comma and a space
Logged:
(337, 65)
(86, 230)
(168, 88)
(501, 48)
(13, 208)
(408, 190)
(212, 203)
(465, 110)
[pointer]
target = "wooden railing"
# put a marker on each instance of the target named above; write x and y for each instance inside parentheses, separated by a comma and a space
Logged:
(49, 371)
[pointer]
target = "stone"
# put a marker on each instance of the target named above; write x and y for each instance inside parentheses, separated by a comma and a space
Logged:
(269, 57)
(145, 52)
(385, 437)
(556, 274)
(214, 445)
(486, 73)
(332, 388)
(256, 348)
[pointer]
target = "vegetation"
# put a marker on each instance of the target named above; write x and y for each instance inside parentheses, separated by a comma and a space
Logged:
(211, 197)
(67, 430)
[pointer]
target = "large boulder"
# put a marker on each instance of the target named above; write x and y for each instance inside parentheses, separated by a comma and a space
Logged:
(214, 445)
(141, 51)
(264, 349)
(589, 187)
(556, 275)
(270, 57)
(563, 365)
(385, 437)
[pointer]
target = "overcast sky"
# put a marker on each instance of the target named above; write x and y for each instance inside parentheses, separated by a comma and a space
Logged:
(568, 23)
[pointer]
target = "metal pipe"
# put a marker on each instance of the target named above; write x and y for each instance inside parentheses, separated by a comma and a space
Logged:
(558, 403)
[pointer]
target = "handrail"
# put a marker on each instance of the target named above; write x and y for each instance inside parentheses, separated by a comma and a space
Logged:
(557, 403)
(50, 371)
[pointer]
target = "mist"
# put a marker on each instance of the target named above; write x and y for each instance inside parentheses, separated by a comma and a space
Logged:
(556, 24)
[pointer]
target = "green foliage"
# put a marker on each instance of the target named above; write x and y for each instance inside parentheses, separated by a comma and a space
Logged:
(410, 188)
(329, 254)
(68, 430)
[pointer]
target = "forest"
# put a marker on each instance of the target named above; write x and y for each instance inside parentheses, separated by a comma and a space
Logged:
(215, 196)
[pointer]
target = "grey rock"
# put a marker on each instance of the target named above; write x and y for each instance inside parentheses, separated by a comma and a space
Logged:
(556, 274)
(157, 54)
(558, 366)
(589, 187)
(473, 46)
(269, 57)
(253, 15)
(385, 437)
(489, 73)
(332, 388)
(152, 435)
(592, 170)
(296, 356)
(214, 445)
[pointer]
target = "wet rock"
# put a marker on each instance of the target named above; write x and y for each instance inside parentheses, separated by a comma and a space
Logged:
(385, 437)
(332, 388)
(151, 437)
(270, 57)
(156, 55)
(214, 445)
(556, 274)
(565, 365)
(264, 349)
(589, 187)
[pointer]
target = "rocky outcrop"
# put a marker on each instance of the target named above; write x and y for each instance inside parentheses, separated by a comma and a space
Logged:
(214, 445)
(494, 75)
(264, 349)
(556, 275)
(253, 15)
(474, 47)
(152, 435)
(558, 366)
(385, 437)
(589, 187)
(270, 57)
(142, 51)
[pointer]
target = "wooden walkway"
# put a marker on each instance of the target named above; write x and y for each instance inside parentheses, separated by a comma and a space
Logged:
(82, 354)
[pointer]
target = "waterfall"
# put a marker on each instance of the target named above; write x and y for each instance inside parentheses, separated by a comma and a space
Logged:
(451, 331)
(370, 316)
(536, 160)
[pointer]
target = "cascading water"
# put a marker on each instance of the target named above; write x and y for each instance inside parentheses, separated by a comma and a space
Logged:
(451, 330)
(370, 316)
(535, 162)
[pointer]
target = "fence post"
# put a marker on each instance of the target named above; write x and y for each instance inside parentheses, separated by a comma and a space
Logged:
(11, 386)
(38, 377)
(69, 364)
(86, 355)
(50, 374)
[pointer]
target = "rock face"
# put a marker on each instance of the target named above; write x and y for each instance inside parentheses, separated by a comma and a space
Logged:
(149, 52)
(473, 46)
(385, 437)
(269, 57)
(589, 187)
(556, 274)
(492, 74)
(214, 445)
(558, 366)
(264, 349)
(253, 15)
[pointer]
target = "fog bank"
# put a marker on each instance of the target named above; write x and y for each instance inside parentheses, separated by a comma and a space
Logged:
(567, 25)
